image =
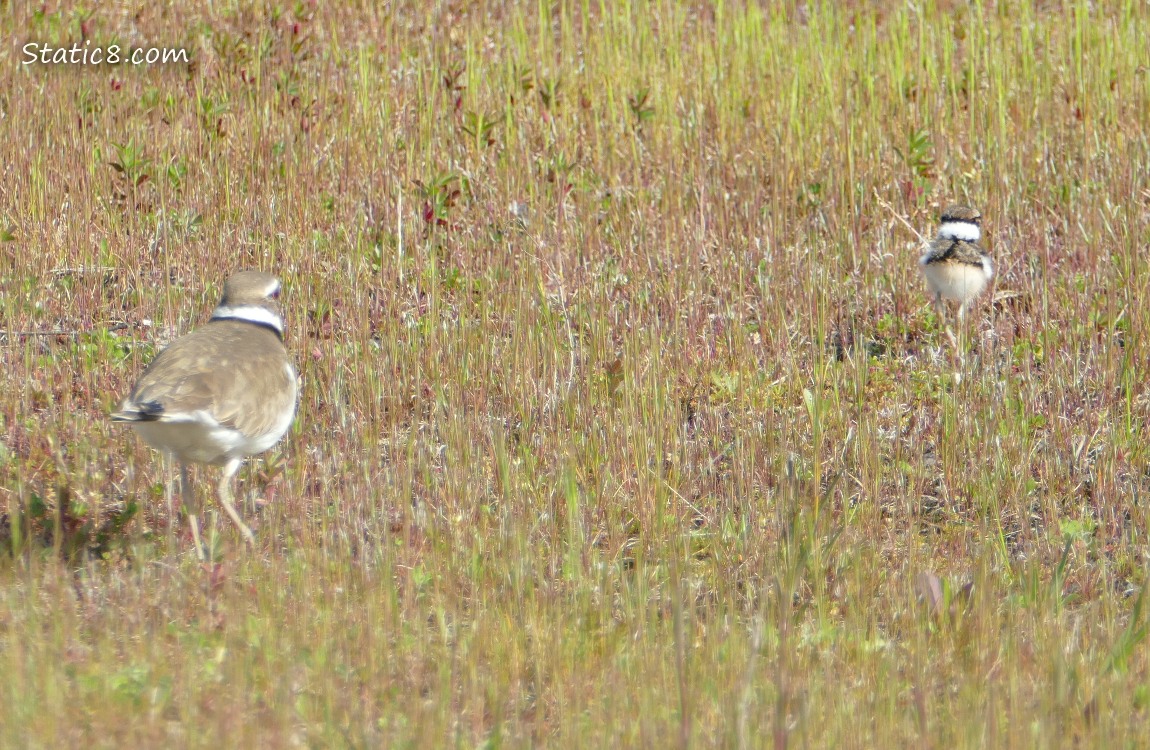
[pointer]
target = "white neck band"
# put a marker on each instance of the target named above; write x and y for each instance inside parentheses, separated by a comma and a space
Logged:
(250, 313)
(959, 230)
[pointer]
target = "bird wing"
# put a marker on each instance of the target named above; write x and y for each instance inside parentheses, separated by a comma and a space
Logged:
(222, 376)
(274, 392)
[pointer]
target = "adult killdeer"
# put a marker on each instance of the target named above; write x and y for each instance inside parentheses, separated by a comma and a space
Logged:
(955, 265)
(221, 393)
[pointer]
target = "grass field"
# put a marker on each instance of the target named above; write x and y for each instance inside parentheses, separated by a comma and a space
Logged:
(625, 417)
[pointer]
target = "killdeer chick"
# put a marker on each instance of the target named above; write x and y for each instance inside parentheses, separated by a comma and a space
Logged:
(221, 393)
(955, 265)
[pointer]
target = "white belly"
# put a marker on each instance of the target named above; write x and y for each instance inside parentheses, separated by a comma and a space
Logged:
(203, 441)
(960, 282)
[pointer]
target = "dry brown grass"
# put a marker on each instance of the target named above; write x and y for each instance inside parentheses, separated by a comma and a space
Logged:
(625, 419)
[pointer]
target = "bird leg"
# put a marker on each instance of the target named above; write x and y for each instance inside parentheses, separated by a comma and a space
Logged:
(168, 492)
(224, 491)
(940, 308)
(192, 507)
